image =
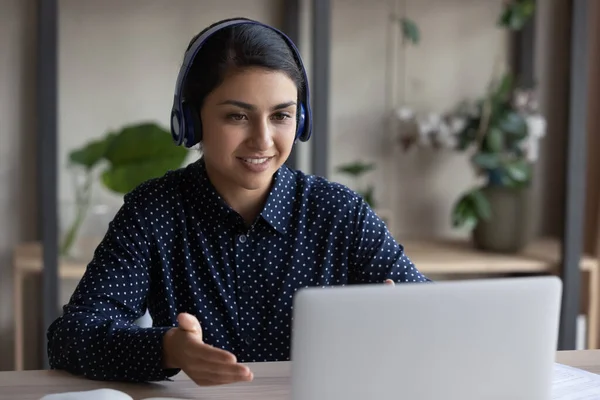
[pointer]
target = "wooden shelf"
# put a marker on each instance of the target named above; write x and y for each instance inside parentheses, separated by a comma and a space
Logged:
(460, 257)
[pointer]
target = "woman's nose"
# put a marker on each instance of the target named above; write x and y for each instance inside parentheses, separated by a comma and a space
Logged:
(262, 136)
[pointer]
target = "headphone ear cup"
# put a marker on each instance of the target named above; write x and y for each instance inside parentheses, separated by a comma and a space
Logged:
(301, 121)
(193, 130)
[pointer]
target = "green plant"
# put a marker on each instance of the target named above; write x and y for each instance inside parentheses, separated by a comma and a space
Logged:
(356, 170)
(410, 31)
(516, 13)
(129, 157)
(503, 130)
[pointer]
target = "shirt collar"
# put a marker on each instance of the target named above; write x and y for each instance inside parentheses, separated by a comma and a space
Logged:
(280, 203)
(278, 208)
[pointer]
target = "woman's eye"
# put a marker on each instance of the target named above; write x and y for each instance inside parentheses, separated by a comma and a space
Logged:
(281, 116)
(236, 117)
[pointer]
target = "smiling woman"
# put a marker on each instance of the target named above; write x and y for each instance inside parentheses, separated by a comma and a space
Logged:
(216, 250)
(249, 126)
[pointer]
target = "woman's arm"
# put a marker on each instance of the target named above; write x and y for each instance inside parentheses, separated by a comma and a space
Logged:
(376, 256)
(96, 336)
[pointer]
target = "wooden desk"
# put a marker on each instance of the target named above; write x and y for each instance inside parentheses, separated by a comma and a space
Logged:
(446, 257)
(272, 382)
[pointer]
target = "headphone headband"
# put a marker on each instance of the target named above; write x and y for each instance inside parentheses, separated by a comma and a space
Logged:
(186, 127)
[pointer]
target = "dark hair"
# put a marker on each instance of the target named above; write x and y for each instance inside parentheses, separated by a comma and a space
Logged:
(238, 47)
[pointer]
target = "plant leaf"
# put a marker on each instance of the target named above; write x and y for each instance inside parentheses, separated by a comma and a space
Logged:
(494, 140)
(138, 153)
(481, 205)
(126, 177)
(519, 171)
(356, 168)
(486, 161)
(513, 123)
(142, 142)
(516, 14)
(410, 30)
(92, 153)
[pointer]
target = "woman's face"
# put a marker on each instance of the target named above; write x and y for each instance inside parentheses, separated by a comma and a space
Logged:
(248, 129)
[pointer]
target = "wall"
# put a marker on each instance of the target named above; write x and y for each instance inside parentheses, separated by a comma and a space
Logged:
(118, 62)
(17, 150)
(454, 61)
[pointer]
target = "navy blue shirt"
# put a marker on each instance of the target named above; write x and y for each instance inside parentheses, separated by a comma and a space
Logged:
(176, 246)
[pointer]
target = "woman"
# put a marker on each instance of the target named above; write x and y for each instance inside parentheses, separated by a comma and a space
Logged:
(216, 250)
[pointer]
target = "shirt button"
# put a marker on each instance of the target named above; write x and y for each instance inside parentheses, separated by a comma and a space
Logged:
(248, 340)
(245, 289)
(243, 238)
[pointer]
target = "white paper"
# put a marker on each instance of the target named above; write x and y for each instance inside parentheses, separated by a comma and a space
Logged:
(574, 384)
(98, 394)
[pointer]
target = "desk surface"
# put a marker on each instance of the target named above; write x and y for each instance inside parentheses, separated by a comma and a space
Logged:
(271, 382)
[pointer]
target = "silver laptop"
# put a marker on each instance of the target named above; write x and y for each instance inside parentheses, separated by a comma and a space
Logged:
(455, 340)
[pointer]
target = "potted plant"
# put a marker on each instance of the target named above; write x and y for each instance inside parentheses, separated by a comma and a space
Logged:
(502, 132)
(124, 159)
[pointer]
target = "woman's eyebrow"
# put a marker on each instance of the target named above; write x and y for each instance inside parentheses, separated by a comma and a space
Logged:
(250, 107)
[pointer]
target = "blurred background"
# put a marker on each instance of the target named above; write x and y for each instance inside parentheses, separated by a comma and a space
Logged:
(469, 125)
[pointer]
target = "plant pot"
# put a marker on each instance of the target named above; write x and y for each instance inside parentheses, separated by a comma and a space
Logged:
(510, 227)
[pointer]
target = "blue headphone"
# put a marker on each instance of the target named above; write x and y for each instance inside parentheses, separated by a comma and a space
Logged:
(186, 127)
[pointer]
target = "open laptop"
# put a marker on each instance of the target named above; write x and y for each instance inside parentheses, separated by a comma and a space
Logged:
(456, 340)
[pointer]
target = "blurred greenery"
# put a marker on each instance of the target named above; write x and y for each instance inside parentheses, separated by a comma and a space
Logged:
(130, 156)
(516, 14)
(356, 170)
(496, 130)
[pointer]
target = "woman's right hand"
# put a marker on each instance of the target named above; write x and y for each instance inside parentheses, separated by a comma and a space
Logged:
(206, 365)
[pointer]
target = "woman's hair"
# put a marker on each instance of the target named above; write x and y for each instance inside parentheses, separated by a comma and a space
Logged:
(238, 47)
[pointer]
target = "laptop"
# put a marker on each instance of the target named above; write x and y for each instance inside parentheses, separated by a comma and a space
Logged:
(456, 340)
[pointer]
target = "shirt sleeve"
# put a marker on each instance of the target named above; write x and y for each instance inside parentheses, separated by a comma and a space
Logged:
(376, 256)
(96, 336)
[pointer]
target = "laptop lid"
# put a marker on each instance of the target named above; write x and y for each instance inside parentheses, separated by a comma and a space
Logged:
(454, 340)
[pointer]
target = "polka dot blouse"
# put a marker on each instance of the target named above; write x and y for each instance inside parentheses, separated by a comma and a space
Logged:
(175, 246)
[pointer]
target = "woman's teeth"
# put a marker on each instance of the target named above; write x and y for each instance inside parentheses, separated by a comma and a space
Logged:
(255, 160)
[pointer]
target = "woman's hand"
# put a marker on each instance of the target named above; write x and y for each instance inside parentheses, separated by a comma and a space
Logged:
(206, 365)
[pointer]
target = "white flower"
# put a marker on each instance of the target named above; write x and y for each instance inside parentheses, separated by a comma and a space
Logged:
(536, 125)
(457, 124)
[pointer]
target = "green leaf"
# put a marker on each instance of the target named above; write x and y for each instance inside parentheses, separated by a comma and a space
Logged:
(355, 169)
(463, 214)
(486, 161)
(124, 178)
(514, 124)
(138, 153)
(519, 171)
(142, 142)
(504, 88)
(369, 196)
(92, 153)
(410, 30)
(516, 14)
(494, 140)
(481, 205)
(472, 207)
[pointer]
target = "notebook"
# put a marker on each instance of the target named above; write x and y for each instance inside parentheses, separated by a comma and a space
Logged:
(98, 394)
(574, 384)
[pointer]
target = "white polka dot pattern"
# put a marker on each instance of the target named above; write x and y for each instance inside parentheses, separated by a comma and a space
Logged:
(175, 246)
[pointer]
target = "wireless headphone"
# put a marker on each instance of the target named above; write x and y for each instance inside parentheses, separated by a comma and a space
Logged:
(186, 127)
